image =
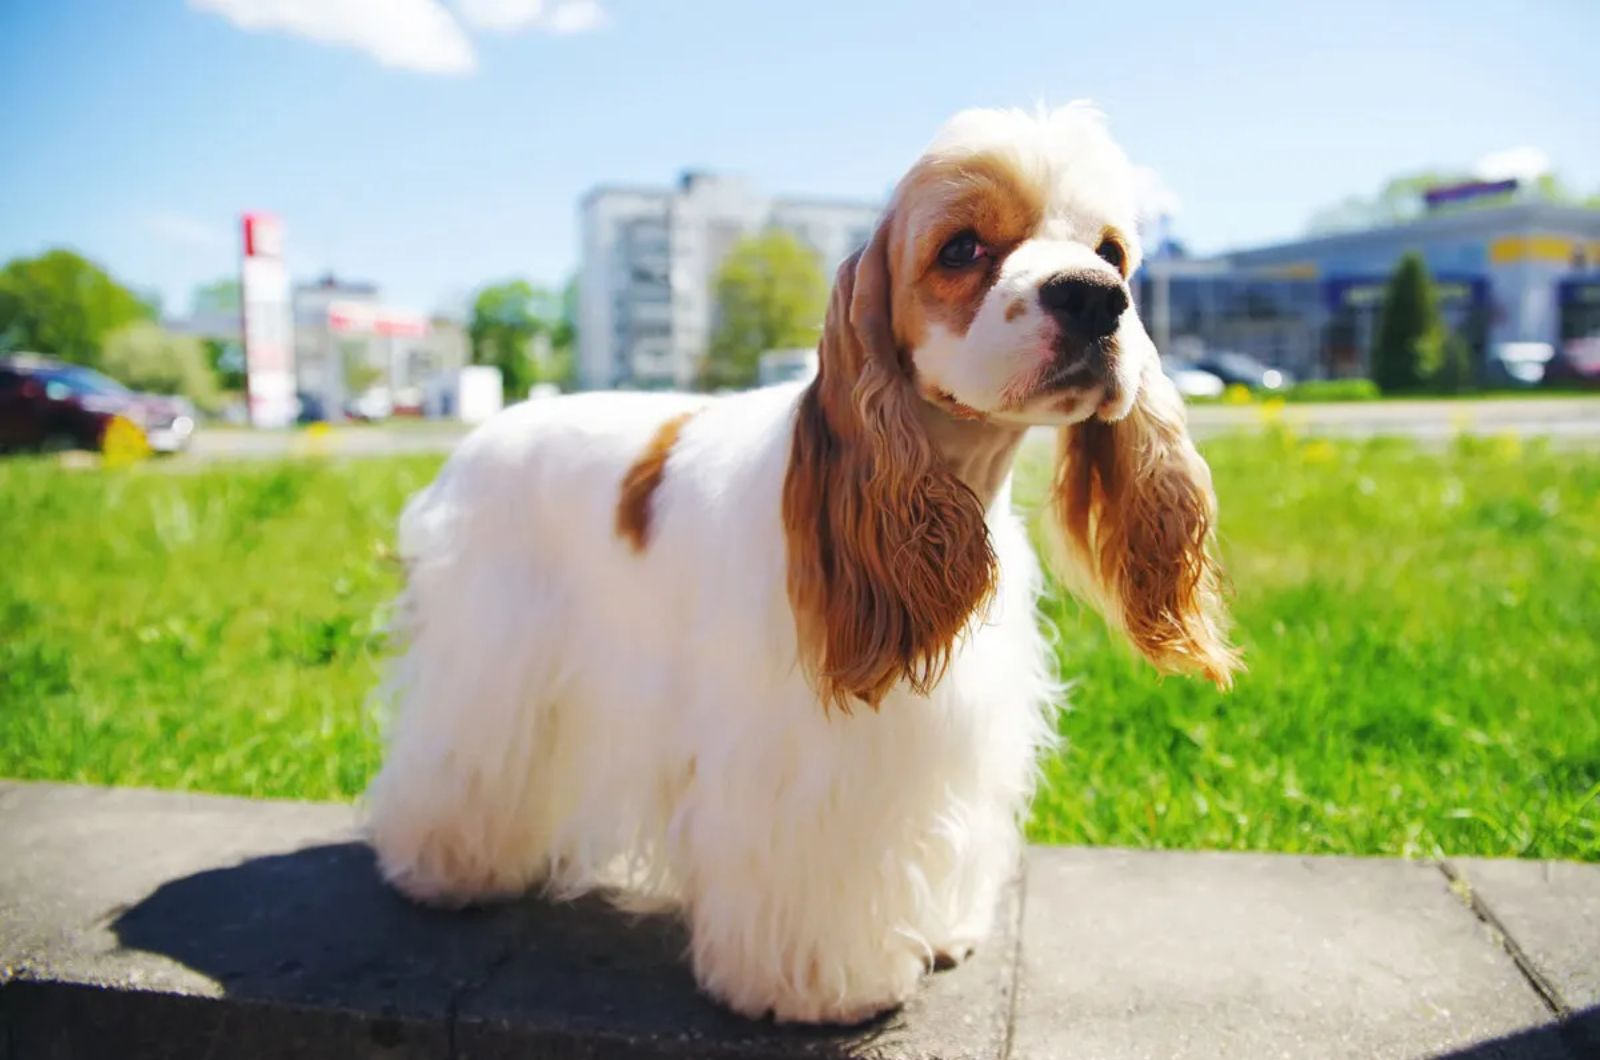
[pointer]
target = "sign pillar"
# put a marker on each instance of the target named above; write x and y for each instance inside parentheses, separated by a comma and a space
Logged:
(268, 328)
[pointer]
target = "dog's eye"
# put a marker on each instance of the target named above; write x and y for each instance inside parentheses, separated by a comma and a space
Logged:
(962, 250)
(1111, 251)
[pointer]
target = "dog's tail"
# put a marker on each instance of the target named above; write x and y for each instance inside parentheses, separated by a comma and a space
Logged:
(461, 809)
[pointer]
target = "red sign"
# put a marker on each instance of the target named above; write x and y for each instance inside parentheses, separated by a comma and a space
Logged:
(263, 236)
(363, 318)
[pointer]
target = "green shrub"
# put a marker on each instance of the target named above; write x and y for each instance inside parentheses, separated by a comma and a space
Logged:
(1334, 390)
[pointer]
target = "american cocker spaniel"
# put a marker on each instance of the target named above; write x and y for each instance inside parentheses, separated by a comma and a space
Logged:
(772, 659)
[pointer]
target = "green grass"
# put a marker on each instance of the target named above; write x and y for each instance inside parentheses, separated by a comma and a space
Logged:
(1423, 640)
(215, 629)
(1422, 630)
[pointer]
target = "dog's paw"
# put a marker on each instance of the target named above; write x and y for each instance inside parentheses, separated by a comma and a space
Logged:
(872, 994)
(842, 1012)
(951, 954)
(435, 869)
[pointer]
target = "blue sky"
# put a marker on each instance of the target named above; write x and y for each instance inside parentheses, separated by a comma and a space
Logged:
(432, 145)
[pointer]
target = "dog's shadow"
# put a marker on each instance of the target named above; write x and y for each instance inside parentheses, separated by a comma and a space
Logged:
(318, 928)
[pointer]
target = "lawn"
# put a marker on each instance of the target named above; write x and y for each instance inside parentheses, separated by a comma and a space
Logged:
(1422, 630)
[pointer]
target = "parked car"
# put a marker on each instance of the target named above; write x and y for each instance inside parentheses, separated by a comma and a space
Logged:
(1578, 361)
(1239, 369)
(1519, 363)
(51, 405)
(1192, 381)
(371, 405)
(309, 408)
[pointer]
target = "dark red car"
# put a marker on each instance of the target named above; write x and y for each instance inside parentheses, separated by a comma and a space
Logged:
(51, 405)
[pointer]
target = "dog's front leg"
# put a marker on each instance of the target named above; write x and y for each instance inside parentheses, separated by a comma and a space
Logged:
(801, 949)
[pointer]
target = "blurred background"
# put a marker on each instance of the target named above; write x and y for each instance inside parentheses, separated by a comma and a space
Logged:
(272, 236)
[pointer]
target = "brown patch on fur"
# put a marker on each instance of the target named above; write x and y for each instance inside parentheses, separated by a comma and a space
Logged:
(643, 478)
(1135, 513)
(984, 193)
(1015, 310)
(889, 554)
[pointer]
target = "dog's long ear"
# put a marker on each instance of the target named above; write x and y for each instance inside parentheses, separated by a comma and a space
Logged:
(1131, 527)
(888, 552)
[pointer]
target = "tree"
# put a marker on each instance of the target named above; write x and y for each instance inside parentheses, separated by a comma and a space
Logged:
(507, 318)
(1401, 199)
(1410, 346)
(1408, 328)
(60, 303)
(1414, 349)
(770, 294)
(506, 321)
(146, 356)
(502, 327)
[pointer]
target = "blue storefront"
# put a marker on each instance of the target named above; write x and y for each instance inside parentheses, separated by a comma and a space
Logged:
(1523, 273)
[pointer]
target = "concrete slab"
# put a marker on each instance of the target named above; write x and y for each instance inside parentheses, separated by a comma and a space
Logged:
(1552, 910)
(143, 924)
(147, 924)
(137, 923)
(1164, 955)
(592, 980)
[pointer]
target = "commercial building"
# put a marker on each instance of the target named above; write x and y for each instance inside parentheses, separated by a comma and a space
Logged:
(349, 345)
(1523, 272)
(646, 306)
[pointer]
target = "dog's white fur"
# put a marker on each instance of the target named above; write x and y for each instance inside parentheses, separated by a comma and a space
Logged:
(574, 713)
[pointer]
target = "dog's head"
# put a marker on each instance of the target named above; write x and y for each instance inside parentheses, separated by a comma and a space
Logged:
(994, 290)
(1009, 246)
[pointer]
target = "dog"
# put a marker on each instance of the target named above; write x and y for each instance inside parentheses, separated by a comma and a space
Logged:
(772, 659)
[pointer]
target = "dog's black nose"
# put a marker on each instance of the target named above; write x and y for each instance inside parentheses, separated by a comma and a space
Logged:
(1087, 304)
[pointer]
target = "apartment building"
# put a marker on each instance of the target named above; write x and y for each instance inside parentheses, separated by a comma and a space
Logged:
(646, 305)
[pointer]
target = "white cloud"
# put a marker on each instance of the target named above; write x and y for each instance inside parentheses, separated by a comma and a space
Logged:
(409, 34)
(577, 16)
(562, 17)
(1523, 163)
(501, 16)
(182, 230)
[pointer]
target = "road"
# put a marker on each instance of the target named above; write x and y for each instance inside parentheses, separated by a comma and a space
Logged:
(237, 443)
(1566, 420)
